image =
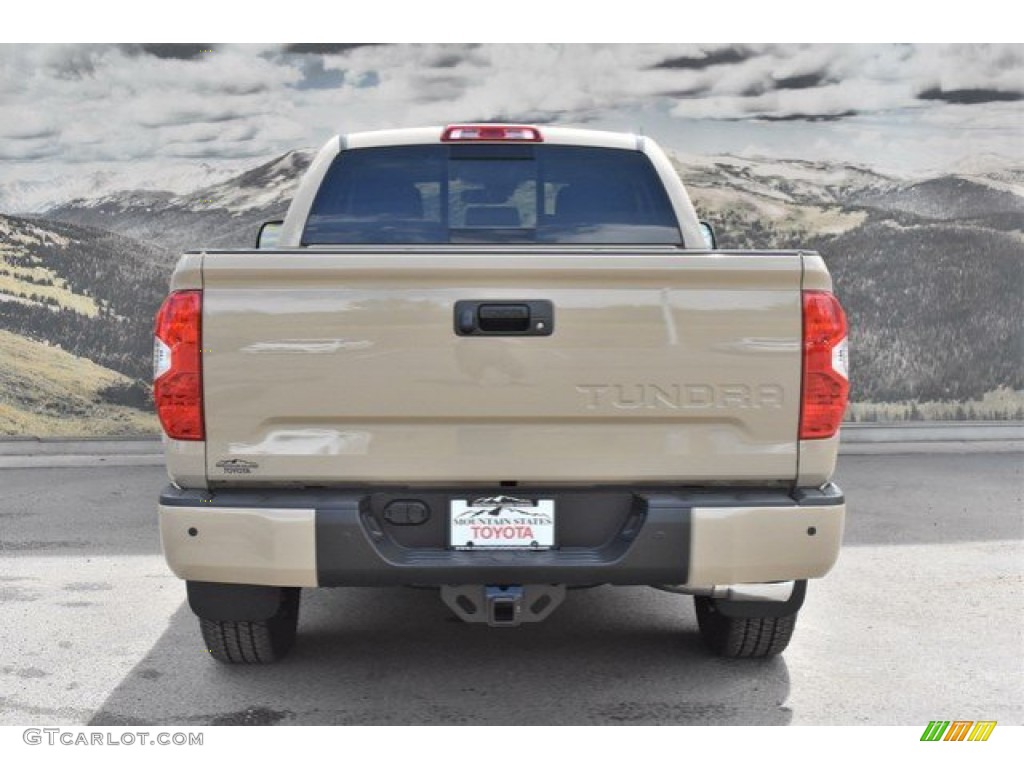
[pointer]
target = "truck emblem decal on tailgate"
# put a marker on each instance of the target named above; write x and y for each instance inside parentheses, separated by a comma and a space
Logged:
(677, 397)
(237, 466)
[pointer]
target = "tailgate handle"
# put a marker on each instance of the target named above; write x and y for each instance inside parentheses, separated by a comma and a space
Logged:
(504, 318)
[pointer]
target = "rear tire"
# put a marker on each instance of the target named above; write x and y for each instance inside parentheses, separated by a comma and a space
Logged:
(254, 642)
(742, 638)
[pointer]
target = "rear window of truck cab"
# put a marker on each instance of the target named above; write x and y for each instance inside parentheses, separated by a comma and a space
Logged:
(491, 193)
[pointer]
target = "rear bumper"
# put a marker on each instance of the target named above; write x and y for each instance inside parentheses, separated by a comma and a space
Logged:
(698, 538)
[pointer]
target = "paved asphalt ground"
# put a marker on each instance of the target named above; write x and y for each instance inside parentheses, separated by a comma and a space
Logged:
(922, 618)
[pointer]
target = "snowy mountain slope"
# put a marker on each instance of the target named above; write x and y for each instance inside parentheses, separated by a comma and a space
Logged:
(789, 181)
(39, 195)
(948, 197)
(757, 203)
(222, 215)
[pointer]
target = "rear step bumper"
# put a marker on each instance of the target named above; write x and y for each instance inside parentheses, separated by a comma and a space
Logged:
(697, 538)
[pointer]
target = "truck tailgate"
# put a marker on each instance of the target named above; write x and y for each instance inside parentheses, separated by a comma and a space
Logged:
(331, 368)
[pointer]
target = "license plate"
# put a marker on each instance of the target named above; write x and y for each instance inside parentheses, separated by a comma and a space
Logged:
(502, 522)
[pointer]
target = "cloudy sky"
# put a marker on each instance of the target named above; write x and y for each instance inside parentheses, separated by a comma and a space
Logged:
(906, 108)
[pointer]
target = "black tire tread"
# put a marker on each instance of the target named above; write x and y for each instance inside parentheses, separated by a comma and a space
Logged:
(254, 642)
(737, 638)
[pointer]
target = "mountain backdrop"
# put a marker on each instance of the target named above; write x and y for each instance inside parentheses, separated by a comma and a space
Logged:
(931, 271)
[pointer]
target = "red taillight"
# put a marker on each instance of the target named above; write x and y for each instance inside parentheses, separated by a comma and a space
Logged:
(826, 382)
(177, 366)
(491, 133)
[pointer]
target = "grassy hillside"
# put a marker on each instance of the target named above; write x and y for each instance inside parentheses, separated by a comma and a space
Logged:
(47, 391)
(88, 291)
(76, 309)
(935, 309)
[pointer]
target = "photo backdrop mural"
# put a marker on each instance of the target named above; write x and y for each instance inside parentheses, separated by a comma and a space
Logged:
(902, 164)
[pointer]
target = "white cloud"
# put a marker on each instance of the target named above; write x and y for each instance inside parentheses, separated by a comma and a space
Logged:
(67, 104)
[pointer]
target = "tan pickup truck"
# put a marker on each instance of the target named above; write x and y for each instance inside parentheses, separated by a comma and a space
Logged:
(501, 361)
